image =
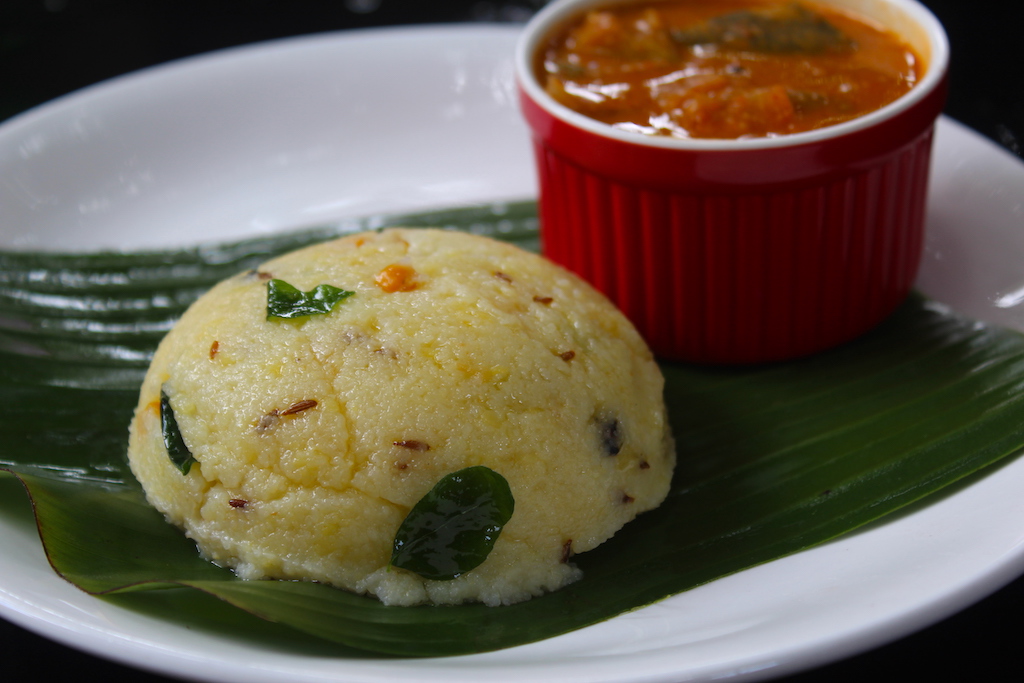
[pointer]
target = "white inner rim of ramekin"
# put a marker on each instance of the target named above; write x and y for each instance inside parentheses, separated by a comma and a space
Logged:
(555, 14)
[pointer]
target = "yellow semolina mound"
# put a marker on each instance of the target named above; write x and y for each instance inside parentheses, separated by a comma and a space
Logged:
(313, 437)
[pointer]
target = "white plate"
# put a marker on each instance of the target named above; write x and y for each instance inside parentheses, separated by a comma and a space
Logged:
(317, 129)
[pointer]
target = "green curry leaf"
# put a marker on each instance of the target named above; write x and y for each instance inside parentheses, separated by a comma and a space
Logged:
(791, 29)
(452, 529)
(178, 451)
(286, 301)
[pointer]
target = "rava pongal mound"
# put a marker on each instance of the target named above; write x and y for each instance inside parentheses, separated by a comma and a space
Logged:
(423, 415)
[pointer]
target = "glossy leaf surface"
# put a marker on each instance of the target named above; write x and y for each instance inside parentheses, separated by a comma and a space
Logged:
(773, 459)
(177, 451)
(452, 529)
(285, 301)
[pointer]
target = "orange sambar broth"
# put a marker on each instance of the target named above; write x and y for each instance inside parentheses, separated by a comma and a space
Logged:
(618, 64)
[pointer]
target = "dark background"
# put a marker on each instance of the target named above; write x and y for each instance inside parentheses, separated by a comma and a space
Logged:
(51, 47)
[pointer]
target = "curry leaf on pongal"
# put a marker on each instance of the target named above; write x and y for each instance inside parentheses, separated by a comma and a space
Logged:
(286, 301)
(177, 450)
(452, 529)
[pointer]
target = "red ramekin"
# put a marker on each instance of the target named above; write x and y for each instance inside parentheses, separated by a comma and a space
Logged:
(741, 251)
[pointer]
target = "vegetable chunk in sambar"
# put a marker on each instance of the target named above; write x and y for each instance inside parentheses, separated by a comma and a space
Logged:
(725, 69)
(422, 415)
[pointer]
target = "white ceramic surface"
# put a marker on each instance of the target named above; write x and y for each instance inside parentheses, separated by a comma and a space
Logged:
(302, 132)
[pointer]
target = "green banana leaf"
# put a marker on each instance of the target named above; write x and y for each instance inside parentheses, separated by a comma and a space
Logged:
(772, 459)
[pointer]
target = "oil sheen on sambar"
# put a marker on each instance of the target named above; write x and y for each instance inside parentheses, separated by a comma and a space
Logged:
(725, 69)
